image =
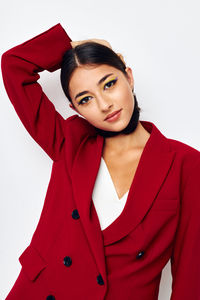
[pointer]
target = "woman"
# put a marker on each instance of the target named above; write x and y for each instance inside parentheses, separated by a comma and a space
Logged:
(122, 200)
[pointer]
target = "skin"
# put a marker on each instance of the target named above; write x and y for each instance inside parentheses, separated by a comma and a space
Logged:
(105, 98)
(122, 152)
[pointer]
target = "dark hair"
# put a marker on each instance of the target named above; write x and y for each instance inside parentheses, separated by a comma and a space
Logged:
(89, 53)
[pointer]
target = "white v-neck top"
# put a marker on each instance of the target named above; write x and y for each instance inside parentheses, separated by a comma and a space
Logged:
(106, 201)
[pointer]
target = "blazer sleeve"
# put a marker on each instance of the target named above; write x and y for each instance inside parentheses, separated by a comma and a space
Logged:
(185, 261)
(20, 66)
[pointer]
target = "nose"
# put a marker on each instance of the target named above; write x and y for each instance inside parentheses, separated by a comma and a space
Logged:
(104, 103)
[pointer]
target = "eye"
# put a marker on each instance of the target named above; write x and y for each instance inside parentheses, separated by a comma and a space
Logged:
(110, 83)
(81, 101)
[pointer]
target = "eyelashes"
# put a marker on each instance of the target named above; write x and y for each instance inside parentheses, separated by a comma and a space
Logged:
(112, 82)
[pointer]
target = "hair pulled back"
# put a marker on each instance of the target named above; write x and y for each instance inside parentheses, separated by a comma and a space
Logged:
(89, 53)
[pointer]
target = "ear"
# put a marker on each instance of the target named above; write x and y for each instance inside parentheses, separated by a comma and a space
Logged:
(130, 77)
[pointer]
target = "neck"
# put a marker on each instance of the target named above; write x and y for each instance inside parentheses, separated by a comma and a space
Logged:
(124, 142)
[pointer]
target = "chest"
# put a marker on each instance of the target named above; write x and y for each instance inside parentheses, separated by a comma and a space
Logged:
(122, 169)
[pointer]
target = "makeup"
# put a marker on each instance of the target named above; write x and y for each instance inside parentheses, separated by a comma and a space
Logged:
(114, 117)
(114, 80)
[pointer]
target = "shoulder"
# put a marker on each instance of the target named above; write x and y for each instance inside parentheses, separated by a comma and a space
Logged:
(77, 129)
(187, 159)
(79, 125)
(184, 151)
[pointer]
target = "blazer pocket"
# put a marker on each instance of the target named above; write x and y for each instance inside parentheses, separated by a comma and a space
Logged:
(32, 262)
(165, 205)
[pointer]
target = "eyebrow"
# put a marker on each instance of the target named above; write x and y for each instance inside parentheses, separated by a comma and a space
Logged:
(98, 83)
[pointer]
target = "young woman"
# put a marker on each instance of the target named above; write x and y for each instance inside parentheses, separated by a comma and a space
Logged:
(122, 200)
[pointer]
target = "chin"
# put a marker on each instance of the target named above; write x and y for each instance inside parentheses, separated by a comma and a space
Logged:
(114, 128)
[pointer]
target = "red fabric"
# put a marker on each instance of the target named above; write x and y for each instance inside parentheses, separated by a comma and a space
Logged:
(160, 221)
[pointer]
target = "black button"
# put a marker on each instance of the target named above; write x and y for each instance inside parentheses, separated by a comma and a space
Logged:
(50, 297)
(100, 279)
(67, 261)
(140, 254)
(75, 214)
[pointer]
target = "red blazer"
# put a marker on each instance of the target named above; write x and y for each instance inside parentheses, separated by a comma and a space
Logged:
(69, 257)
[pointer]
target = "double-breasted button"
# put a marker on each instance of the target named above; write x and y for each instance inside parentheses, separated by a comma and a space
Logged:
(100, 279)
(140, 254)
(50, 297)
(75, 214)
(67, 261)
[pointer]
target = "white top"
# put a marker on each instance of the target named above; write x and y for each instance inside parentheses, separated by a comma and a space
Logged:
(106, 201)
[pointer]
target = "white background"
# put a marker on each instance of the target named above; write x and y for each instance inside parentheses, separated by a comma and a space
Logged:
(160, 41)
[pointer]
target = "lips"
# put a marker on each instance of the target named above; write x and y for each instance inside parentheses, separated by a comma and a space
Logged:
(112, 114)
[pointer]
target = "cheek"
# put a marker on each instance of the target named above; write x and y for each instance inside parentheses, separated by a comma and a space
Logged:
(91, 116)
(126, 98)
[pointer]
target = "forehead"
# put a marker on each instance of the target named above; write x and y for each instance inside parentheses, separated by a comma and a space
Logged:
(86, 76)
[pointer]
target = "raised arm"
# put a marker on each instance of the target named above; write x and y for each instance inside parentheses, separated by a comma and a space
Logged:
(20, 66)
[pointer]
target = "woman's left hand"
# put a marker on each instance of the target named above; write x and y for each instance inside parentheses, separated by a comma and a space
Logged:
(100, 41)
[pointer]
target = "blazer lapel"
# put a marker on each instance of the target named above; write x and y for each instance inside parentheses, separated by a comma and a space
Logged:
(84, 172)
(154, 164)
(152, 169)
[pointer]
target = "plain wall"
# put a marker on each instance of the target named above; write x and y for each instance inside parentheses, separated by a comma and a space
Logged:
(159, 41)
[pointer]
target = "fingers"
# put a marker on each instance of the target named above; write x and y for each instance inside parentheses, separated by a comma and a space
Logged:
(100, 41)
